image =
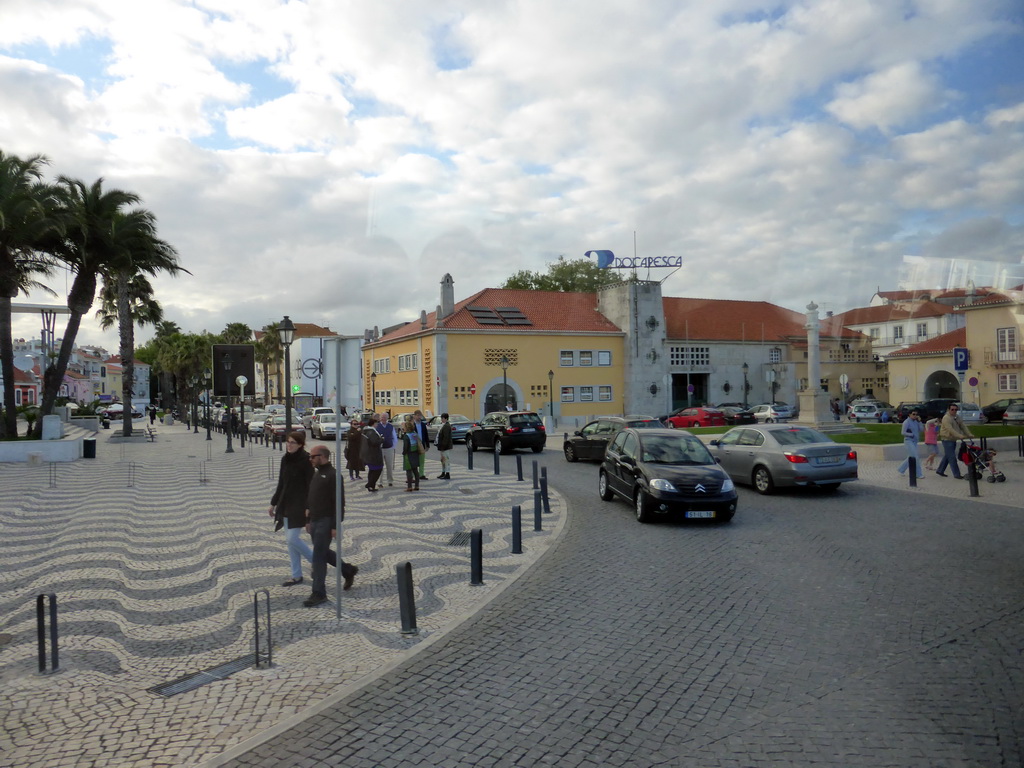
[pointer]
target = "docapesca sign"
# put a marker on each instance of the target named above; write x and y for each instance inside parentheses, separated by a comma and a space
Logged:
(607, 260)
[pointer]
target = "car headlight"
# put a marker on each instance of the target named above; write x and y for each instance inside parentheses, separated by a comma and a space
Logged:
(663, 485)
(727, 485)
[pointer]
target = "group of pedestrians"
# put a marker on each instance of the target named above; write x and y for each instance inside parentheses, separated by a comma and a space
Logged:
(947, 431)
(306, 494)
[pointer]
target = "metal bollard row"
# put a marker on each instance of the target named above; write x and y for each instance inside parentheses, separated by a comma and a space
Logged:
(41, 632)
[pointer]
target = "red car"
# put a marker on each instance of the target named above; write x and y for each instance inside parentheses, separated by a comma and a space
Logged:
(696, 417)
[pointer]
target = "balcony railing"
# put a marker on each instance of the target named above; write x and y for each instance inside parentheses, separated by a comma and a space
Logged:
(1007, 357)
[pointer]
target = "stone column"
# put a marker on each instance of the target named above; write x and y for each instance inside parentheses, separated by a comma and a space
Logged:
(814, 404)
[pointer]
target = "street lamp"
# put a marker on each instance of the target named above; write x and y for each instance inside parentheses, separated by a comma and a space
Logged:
(241, 381)
(227, 430)
(551, 396)
(207, 374)
(286, 330)
(504, 379)
(194, 381)
(373, 391)
(746, 370)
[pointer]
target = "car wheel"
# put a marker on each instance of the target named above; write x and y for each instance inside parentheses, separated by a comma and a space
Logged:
(503, 447)
(570, 452)
(767, 421)
(602, 487)
(642, 506)
(471, 445)
(829, 486)
(763, 482)
(536, 448)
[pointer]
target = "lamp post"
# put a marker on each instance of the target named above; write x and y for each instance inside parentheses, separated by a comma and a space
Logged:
(286, 330)
(746, 370)
(207, 374)
(504, 380)
(194, 381)
(227, 429)
(241, 381)
(551, 396)
(373, 391)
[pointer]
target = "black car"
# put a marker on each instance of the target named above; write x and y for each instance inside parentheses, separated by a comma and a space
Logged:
(590, 442)
(505, 431)
(935, 408)
(666, 470)
(902, 411)
(994, 412)
(738, 415)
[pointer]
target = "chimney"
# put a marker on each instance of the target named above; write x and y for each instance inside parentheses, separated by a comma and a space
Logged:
(447, 297)
(423, 319)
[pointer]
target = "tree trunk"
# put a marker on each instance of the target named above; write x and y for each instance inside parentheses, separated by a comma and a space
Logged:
(10, 420)
(126, 328)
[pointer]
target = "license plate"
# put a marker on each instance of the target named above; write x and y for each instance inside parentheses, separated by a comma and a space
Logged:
(828, 460)
(700, 513)
(528, 429)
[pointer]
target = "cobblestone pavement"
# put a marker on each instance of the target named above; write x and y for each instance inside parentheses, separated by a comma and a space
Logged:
(155, 551)
(875, 626)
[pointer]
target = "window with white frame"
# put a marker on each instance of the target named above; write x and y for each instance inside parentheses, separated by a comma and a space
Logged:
(586, 357)
(689, 357)
(1006, 344)
(775, 355)
(897, 334)
(568, 394)
(922, 331)
(383, 397)
(408, 397)
(408, 362)
(383, 365)
(874, 333)
(1009, 382)
(604, 393)
(565, 357)
(604, 357)
(586, 394)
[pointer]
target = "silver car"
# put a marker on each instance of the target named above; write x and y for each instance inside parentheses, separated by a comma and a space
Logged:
(772, 413)
(770, 455)
(460, 426)
(971, 413)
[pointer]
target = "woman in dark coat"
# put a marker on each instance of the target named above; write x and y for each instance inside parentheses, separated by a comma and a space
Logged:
(373, 454)
(354, 451)
(288, 505)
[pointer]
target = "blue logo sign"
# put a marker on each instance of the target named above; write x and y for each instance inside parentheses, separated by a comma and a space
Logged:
(606, 260)
(961, 359)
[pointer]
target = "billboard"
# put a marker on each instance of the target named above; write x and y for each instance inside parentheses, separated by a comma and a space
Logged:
(243, 363)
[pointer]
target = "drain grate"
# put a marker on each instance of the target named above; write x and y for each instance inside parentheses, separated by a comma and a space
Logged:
(199, 679)
(460, 539)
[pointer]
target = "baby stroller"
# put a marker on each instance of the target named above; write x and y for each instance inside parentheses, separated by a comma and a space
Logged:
(979, 462)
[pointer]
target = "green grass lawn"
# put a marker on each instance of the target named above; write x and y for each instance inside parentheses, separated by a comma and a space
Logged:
(887, 434)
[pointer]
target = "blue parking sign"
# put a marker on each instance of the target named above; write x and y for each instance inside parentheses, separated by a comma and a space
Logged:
(961, 358)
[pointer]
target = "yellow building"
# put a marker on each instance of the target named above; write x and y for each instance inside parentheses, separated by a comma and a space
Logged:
(553, 353)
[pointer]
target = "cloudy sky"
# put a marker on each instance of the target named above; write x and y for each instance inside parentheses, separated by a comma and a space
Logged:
(331, 160)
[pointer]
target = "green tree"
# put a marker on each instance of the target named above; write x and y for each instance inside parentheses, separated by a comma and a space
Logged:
(570, 276)
(29, 225)
(236, 333)
(268, 352)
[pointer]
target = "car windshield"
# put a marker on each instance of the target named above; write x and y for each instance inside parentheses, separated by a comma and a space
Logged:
(968, 407)
(798, 436)
(675, 449)
(647, 424)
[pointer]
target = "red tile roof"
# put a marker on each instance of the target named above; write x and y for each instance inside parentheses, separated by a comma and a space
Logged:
(995, 299)
(939, 345)
(728, 320)
(887, 312)
(303, 331)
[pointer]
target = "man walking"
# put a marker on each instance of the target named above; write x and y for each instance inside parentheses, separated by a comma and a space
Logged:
(444, 447)
(321, 513)
(911, 431)
(421, 431)
(951, 429)
(387, 432)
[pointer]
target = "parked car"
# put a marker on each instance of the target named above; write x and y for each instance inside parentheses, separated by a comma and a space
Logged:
(590, 442)
(772, 455)
(971, 413)
(936, 407)
(1014, 414)
(276, 426)
(505, 431)
(662, 471)
(307, 417)
(254, 421)
(696, 417)
(903, 410)
(460, 426)
(771, 413)
(325, 427)
(870, 409)
(398, 419)
(735, 415)
(994, 411)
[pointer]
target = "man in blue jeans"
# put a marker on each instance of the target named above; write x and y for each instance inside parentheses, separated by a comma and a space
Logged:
(320, 512)
(951, 429)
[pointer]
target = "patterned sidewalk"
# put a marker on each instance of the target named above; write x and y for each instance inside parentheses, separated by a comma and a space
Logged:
(155, 572)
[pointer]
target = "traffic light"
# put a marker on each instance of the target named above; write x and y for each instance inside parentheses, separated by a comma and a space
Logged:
(296, 388)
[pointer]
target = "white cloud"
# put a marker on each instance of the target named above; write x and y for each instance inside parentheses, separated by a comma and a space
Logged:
(887, 99)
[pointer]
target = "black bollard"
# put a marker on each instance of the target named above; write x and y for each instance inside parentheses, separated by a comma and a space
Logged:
(519, 468)
(536, 485)
(476, 557)
(972, 480)
(406, 599)
(544, 492)
(469, 456)
(497, 460)
(41, 630)
(517, 530)
(912, 471)
(537, 506)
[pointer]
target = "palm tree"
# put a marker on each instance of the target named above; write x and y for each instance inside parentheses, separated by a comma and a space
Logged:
(140, 253)
(29, 224)
(236, 333)
(91, 242)
(268, 350)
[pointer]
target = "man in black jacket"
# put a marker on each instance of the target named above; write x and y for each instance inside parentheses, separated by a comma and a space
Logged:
(320, 513)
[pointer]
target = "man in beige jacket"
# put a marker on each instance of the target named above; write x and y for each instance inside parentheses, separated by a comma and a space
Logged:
(951, 430)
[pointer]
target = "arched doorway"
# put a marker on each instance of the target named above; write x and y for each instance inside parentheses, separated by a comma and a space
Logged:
(498, 397)
(941, 384)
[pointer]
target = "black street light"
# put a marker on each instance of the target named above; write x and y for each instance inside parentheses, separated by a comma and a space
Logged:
(286, 330)
(746, 387)
(373, 391)
(207, 375)
(241, 381)
(227, 429)
(551, 396)
(504, 379)
(195, 403)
